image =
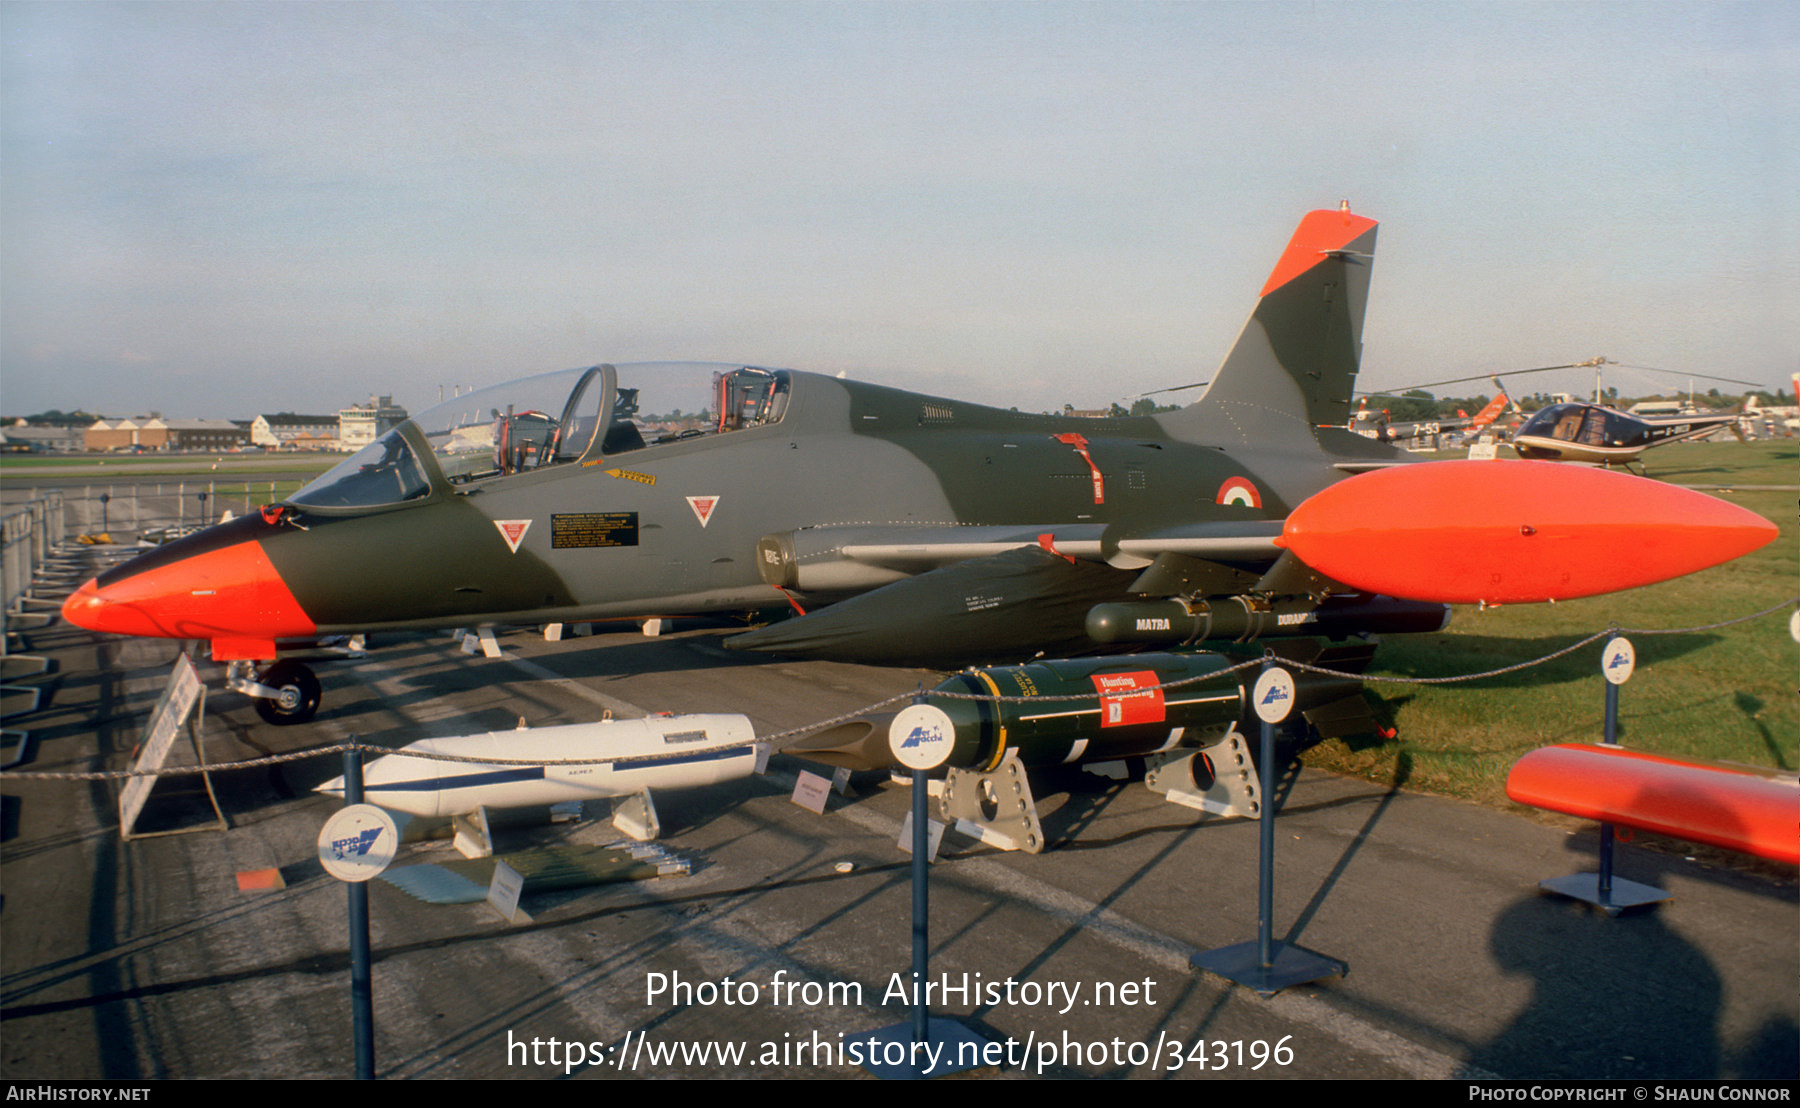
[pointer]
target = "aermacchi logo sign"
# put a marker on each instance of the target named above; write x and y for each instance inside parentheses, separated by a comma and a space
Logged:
(356, 845)
(703, 507)
(513, 531)
(1273, 697)
(922, 736)
(1617, 660)
(357, 842)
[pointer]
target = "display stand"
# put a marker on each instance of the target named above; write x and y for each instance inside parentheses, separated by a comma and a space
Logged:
(1610, 894)
(1265, 965)
(897, 1052)
(182, 706)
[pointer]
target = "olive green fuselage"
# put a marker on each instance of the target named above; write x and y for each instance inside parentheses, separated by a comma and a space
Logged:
(673, 528)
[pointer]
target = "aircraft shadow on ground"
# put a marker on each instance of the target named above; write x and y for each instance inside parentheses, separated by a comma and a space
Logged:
(1592, 994)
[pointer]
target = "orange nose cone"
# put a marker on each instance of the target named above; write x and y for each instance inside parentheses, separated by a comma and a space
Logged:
(84, 608)
(231, 592)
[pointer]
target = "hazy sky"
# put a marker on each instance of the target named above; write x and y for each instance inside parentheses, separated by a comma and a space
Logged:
(224, 209)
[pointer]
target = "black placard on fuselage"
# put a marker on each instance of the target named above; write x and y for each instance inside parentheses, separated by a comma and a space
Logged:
(593, 529)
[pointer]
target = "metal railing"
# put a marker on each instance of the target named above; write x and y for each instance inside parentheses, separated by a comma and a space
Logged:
(29, 534)
(130, 511)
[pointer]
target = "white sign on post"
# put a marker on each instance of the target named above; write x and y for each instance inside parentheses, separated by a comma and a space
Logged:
(358, 842)
(503, 893)
(1273, 696)
(1618, 660)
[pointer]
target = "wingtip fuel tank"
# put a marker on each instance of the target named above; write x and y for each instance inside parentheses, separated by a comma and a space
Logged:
(1514, 532)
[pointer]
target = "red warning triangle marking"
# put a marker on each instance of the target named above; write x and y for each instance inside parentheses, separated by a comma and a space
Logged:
(703, 507)
(513, 531)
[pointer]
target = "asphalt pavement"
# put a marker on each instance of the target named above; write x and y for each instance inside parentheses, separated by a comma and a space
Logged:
(792, 935)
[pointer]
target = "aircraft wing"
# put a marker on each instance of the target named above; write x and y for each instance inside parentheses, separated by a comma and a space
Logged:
(1230, 542)
(830, 559)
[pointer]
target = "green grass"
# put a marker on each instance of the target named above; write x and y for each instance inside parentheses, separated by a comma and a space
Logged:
(1774, 462)
(1765, 462)
(1724, 694)
(150, 465)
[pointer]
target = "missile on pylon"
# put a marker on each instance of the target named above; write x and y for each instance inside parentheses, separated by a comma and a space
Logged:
(556, 765)
(1172, 620)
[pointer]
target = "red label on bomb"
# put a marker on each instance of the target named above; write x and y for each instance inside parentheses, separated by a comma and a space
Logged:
(1129, 698)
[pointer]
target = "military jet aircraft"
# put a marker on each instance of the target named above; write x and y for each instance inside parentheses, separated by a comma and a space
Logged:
(928, 530)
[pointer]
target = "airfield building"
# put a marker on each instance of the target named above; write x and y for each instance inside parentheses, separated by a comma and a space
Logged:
(285, 430)
(153, 432)
(361, 424)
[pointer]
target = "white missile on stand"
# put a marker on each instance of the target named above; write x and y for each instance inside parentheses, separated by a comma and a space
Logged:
(661, 752)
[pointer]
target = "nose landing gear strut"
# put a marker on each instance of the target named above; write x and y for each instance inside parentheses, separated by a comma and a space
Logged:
(286, 692)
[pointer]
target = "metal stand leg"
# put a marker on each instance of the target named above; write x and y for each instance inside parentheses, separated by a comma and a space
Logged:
(927, 1045)
(1610, 894)
(1266, 965)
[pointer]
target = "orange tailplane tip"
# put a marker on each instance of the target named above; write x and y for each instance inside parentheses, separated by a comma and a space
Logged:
(1513, 532)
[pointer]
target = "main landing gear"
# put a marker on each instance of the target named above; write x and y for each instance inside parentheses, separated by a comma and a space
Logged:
(286, 692)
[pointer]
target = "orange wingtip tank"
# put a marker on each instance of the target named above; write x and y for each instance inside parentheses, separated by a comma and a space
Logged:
(1513, 532)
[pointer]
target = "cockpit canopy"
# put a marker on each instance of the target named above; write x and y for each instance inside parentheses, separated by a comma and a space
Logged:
(551, 419)
(1585, 424)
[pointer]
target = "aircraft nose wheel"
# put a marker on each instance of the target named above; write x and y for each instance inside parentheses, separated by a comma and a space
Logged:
(298, 694)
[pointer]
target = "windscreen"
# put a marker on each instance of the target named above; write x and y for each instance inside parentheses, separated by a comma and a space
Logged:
(383, 472)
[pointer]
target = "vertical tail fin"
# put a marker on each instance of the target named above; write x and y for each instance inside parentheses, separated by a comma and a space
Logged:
(1294, 364)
